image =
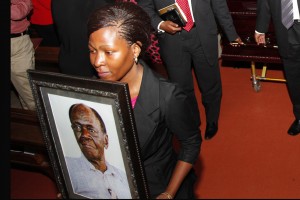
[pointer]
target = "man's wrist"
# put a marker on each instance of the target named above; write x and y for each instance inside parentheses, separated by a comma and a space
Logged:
(258, 32)
(158, 27)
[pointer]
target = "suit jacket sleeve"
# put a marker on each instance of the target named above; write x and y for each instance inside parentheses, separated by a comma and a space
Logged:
(263, 16)
(224, 18)
(149, 7)
(179, 119)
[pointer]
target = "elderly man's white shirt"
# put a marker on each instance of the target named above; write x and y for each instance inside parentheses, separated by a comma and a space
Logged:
(92, 183)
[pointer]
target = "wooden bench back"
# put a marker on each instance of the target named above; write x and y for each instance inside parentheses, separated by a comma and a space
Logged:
(46, 58)
(47, 54)
(27, 147)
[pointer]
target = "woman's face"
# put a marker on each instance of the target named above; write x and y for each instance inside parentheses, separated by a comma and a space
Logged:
(111, 55)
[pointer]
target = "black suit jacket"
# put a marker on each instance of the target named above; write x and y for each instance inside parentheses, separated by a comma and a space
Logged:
(70, 18)
(205, 12)
(161, 111)
(271, 9)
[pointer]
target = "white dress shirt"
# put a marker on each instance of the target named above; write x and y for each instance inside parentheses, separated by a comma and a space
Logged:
(296, 10)
(89, 182)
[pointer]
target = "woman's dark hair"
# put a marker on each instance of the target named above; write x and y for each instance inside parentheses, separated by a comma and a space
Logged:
(132, 22)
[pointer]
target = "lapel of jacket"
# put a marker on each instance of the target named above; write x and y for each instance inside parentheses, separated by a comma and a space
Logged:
(146, 104)
(194, 6)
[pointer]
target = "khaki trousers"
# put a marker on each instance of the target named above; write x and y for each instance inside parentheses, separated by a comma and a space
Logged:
(22, 59)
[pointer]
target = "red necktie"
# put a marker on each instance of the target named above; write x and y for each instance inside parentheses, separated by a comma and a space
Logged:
(184, 5)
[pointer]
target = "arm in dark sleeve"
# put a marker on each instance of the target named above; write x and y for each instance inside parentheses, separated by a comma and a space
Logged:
(263, 16)
(179, 118)
(151, 10)
(221, 12)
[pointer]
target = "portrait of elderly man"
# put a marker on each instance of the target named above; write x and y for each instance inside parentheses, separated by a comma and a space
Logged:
(91, 175)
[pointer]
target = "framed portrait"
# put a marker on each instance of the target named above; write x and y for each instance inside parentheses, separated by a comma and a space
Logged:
(89, 130)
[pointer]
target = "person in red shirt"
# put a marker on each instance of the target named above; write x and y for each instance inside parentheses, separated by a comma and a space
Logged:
(42, 22)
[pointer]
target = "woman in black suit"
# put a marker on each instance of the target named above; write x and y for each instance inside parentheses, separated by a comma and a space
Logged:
(118, 36)
(289, 49)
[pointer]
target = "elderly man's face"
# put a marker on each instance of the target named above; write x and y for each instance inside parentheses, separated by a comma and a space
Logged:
(88, 133)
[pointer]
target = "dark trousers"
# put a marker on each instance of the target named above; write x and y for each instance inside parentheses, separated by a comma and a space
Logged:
(291, 66)
(183, 52)
(292, 75)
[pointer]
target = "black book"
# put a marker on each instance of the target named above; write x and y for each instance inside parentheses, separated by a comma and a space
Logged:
(173, 13)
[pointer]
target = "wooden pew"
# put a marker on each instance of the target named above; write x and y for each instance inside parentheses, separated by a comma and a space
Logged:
(46, 58)
(28, 149)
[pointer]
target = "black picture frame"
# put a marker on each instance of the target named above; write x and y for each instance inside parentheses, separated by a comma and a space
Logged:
(54, 93)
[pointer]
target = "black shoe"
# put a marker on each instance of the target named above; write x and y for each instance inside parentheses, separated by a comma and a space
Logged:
(295, 128)
(211, 130)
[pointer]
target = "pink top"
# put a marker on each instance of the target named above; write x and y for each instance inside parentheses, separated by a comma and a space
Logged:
(19, 9)
(133, 101)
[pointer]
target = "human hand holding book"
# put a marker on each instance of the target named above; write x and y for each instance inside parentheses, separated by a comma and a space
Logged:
(173, 13)
(169, 27)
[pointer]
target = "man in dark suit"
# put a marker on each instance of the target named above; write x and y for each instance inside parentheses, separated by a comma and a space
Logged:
(70, 18)
(180, 49)
(288, 39)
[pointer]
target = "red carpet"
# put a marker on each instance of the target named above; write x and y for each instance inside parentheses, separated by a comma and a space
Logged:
(252, 156)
